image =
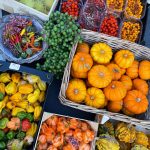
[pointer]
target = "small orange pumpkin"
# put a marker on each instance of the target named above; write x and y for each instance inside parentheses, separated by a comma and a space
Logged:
(126, 112)
(133, 71)
(144, 70)
(123, 71)
(115, 91)
(99, 76)
(76, 74)
(76, 90)
(135, 102)
(124, 58)
(83, 47)
(140, 85)
(115, 106)
(95, 97)
(127, 82)
(82, 62)
(115, 70)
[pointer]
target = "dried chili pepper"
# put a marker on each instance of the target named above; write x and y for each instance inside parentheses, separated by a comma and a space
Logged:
(110, 26)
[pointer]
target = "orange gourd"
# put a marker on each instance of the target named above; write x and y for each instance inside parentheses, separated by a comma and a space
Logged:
(76, 74)
(124, 58)
(82, 62)
(140, 85)
(144, 70)
(95, 97)
(126, 112)
(115, 91)
(115, 106)
(123, 71)
(133, 71)
(99, 76)
(127, 82)
(135, 102)
(83, 47)
(115, 70)
(76, 90)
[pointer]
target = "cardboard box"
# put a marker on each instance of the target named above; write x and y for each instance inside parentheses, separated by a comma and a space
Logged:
(14, 6)
(93, 125)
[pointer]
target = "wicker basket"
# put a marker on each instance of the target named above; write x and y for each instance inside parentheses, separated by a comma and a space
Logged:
(140, 52)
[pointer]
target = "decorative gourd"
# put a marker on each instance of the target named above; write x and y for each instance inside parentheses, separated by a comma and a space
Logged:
(115, 106)
(139, 147)
(106, 142)
(101, 53)
(115, 70)
(82, 62)
(127, 82)
(76, 74)
(126, 112)
(140, 85)
(95, 97)
(133, 71)
(76, 90)
(110, 128)
(83, 47)
(99, 76)
(141, 139)
(135, 102)
(26, 88)
(123, 71)
(115, 91)
(144, 70)
(124, 58)
(125, 132)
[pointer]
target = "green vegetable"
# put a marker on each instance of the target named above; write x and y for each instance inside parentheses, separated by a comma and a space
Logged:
(30, 117)
(2, 134)
(2, 145)
(21, 115)
(21, 135)
(10, 135)
(15, 144)
(3, 123)
(62, 33)
(1, 96)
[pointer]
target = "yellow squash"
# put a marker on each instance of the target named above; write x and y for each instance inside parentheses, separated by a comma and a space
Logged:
(26, 88)
(11, 88)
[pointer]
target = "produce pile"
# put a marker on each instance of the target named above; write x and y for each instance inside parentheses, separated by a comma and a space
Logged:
(65, 133)
(21, 37)
(121, 136)
(104, 79)
(40, 5)
(21, 96)
(61, 34)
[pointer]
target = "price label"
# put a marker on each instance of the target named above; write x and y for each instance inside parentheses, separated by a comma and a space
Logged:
(14, 66)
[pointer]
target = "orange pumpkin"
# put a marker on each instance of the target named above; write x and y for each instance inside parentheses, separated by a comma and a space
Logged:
(127, 82)
(123, 71)
(135, 102)
(144, 70)
(115, 106)
(99, 76)
(95, 97)
(82, 62)
(83, 47)
(76, 90)
(115, 70)
(76, 74)
(133, 71)
(140, 85)
(124, 58)
(115, 91)
(126, 112)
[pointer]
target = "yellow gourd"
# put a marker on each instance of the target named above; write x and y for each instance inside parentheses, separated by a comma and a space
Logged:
(101, 53)
(124, 58)
(11, 104)
(99, 76)
(23, 104)
(32, 78)
(95, 97)
(30, 109)
(5, 77)
(42, 85)
(76, 90)
(32, 130)
(16, 97)
(33, 97)
(2, 88)
(139, 147)
(16, 77)
(11, 88)
(37, 112)
(17, 110)
(41, 96)
(26, 88)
